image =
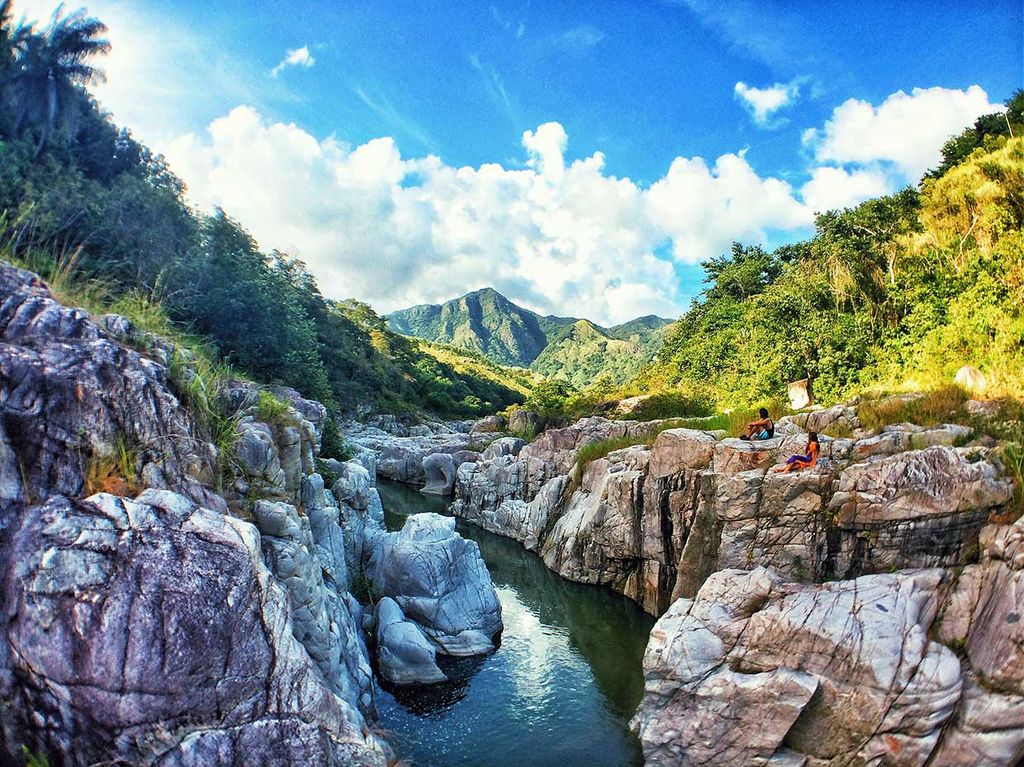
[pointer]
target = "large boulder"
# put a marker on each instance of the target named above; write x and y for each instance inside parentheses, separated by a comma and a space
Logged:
(151, 632)
(439, 472)
(440, 581)
(754, 671)
(59, 371)
(523, 421)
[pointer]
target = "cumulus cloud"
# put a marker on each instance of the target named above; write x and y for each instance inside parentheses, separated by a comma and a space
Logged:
(297, 57)
(831, 188)
(558, 235)
(762, 103)
(905, 132)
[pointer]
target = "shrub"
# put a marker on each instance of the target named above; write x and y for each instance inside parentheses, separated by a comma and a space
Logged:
(944, 404)
(332, 445)
(671, 404)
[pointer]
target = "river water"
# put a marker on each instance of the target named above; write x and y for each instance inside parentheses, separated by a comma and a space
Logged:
(558, 692)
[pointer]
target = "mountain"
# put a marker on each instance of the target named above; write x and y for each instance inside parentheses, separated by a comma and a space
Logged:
(572, 349)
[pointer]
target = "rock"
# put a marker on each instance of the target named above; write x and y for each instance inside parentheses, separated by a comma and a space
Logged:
(971, 378)
(982, 616)
(60, 370)
(439, 470)
(504, 446)
(489, 424)
(733, 455)
(921, 483)
(841, 671)
(799, 393)
(678, 449)
(440, 581)
(321, 618)
(523, 421)
(401, 458)
(150, 632)
(403, 653)
(838, 416)
(985, 408)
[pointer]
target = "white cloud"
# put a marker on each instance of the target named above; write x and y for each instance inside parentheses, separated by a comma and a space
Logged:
(764, 102)
(297, 57)
(703, 209)
(560, 236)
(904, 132)
(832, 188)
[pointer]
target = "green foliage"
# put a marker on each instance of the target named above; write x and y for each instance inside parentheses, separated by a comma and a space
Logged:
(106, 223)
(671, 404)
(984, 135)
(332, 445)
(487, 324)
(943, 404)
(34, 760)
(900, 290)
(271, 409)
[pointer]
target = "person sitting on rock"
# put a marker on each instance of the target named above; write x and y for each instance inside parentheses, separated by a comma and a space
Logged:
(797, 462)
(762, 428)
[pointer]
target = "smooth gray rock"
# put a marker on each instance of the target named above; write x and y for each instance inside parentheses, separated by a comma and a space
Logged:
(403, 652)
(440, 581)
(439, 473)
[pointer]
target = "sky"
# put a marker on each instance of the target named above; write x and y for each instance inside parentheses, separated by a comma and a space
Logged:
(581, 158)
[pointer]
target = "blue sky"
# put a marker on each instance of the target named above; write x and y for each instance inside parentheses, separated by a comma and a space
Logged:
(338, 130)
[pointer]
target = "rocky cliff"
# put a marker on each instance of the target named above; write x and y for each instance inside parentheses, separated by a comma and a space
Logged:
(168, 600)
(860, 612)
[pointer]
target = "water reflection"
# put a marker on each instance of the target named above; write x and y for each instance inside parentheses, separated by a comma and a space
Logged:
(560, 689)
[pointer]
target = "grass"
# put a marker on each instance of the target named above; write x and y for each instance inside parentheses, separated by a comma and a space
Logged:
(113, 471)
(838, 431)
(670, 404)
(272, 410)
(34, 760)
(944, 404)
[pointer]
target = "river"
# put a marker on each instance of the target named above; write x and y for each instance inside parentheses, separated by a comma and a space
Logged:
(558, 692)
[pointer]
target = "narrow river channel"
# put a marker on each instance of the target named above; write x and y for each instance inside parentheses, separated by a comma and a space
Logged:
(559, 691)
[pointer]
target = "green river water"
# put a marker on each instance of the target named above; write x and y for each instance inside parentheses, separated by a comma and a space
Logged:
(558, 692)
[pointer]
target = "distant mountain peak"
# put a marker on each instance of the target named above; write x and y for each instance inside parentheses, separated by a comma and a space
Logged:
(572, 348)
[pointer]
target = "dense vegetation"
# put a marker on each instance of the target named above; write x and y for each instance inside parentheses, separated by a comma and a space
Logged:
(903, 289)
(82, 200)
(576, 351)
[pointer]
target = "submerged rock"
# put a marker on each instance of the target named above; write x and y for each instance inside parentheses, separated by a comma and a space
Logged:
(440, 582)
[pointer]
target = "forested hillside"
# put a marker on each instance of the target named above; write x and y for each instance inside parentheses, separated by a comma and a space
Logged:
(98, 213)
(576, 351)
(901, 289)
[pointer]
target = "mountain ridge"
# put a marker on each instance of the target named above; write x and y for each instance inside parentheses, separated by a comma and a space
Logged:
(574, 349)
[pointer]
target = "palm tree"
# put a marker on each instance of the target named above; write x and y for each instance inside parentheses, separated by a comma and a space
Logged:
(51, 67)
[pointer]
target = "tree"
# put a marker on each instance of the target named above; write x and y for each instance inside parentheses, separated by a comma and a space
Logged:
(51, 68)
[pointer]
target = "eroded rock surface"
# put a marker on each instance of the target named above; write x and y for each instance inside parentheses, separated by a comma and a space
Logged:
(918, 667)
(72, 395)
(440, 582)
(655, 522)
(151, 631)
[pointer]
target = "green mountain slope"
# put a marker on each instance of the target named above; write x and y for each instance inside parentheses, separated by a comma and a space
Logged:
(574, 350)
